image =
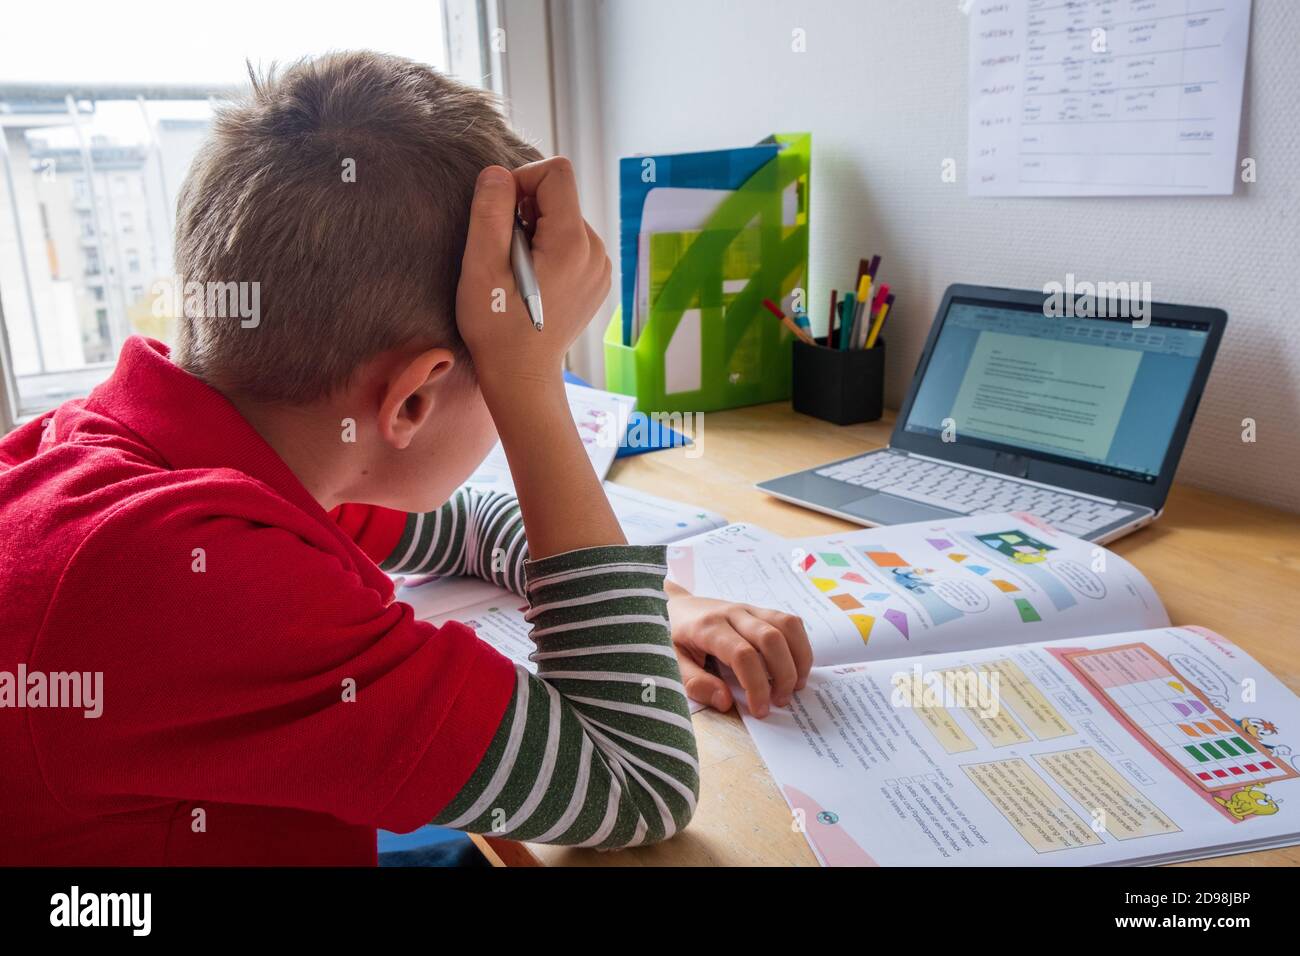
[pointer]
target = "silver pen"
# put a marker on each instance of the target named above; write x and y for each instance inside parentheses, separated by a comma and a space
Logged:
(521, 263)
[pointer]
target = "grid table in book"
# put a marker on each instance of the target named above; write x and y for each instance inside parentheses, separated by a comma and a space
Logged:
(1177, 717)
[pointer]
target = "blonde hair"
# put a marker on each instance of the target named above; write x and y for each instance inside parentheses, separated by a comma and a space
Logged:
(345, 269)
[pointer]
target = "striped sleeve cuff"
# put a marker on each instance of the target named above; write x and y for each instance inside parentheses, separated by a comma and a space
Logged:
(612, 559)
(597, 749)
(480, 533)
(610, 595)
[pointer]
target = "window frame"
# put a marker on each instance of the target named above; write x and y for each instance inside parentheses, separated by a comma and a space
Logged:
(12, 412)
(8, 383)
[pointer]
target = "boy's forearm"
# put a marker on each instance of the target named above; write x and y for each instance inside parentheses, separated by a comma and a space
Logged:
(563, 503)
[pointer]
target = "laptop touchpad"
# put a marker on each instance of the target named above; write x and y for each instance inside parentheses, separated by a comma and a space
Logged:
(886, 509)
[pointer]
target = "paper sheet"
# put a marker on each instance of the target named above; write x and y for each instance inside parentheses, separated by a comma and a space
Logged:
(682, 370)
(601, 418)
(1123, 98)
(648, 519)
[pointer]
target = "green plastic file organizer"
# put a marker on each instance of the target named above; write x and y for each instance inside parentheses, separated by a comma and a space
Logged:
(744, 351)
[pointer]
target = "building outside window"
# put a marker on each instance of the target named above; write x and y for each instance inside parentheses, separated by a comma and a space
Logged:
(94, 147)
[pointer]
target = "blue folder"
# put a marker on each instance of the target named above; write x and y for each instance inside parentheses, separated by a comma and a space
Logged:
(717, 169)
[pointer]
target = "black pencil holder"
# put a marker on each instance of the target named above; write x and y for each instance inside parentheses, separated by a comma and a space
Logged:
(844, 387)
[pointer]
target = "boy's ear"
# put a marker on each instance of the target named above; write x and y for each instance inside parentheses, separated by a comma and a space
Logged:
(409, 394)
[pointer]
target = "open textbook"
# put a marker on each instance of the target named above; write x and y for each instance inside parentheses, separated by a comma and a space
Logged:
(989, 691)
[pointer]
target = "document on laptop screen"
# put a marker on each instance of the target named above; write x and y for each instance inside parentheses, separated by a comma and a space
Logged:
(1094, 392)
(1065, 397)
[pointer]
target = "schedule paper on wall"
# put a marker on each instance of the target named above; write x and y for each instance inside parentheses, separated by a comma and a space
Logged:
(1106, 97)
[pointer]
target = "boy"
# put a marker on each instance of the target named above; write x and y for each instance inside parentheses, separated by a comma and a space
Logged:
(190, 532)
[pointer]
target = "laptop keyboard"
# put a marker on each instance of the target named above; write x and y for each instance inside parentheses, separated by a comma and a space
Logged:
(972, 492)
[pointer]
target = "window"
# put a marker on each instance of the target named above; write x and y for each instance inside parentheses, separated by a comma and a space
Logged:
(94, 146)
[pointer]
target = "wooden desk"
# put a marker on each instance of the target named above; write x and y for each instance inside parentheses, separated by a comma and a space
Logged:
(1222, 563)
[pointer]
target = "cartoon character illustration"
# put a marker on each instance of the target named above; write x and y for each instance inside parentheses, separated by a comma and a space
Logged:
(1257, 728)
(913, 578)
(1248, 802)
(1026, 554)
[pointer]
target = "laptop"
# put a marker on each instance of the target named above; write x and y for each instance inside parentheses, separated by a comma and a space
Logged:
(1022, 402)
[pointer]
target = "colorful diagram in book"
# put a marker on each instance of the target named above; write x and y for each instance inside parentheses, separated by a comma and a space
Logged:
(923, 588)
(829, 573)
(595, 425)
(1176, 720)
(990, 554)
(1016, 545)
(869, 594)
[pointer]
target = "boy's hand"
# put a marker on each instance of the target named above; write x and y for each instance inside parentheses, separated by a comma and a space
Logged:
(573, 274)
(519, 370)
(768, 650)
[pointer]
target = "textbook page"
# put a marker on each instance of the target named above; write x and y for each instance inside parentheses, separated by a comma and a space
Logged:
(1122, 98)
(440, 598)
(925, 588)
(1139, 747)
(647, 519)
(601, 418)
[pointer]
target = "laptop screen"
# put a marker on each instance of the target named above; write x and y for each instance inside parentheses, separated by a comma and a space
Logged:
(1094, 393)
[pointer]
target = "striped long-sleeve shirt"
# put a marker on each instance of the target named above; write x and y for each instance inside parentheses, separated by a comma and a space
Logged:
(596, 749)
(478, 533)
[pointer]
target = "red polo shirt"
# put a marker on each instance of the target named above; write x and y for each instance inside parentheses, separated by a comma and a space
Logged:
(148, 533)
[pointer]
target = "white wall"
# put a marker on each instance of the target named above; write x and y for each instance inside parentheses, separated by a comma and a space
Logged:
(882, 87)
